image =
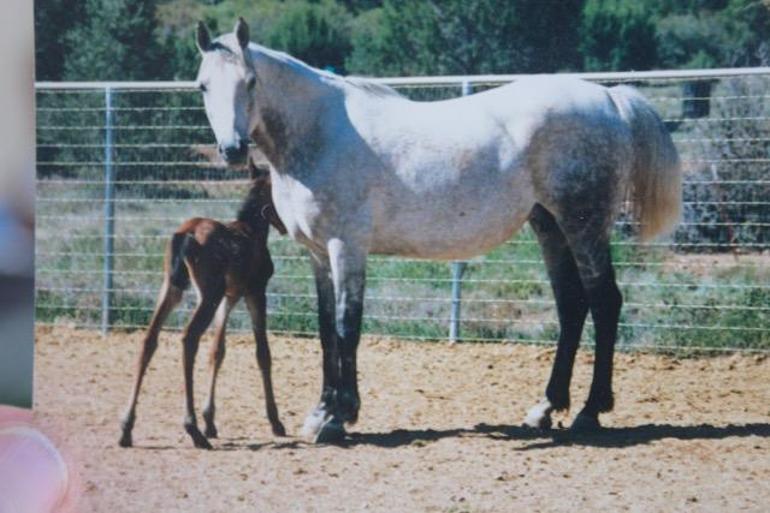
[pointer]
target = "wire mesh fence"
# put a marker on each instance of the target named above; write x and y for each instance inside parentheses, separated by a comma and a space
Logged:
(120, 166)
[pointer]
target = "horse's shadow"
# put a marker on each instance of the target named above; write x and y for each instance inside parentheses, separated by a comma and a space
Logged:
(605, 437)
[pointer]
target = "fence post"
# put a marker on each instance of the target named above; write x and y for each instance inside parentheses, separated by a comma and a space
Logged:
(458, 269)
(109, 213)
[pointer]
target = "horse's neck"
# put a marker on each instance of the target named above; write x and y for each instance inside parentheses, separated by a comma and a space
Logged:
(291, 100)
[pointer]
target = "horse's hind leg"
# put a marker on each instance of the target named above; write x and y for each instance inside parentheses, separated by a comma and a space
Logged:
(169, 298)
(257, 306)
(204, 313)
(216, 357)
(572, 308)
(588, 237)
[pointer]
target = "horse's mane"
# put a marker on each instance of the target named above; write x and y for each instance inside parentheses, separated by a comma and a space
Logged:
(371, 87)
(360, 83)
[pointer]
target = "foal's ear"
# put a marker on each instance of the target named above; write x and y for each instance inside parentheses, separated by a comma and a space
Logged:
(202, 37)
(242, 33)
(273, 219)
(261, 171)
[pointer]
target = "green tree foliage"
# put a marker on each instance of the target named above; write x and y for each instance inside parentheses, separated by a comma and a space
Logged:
(52, 21)
(317, 33)
(618, 35)
(177, 21)
(454, 36)
(642, 34)
(153, 39)
(118, 41)
(715, 33)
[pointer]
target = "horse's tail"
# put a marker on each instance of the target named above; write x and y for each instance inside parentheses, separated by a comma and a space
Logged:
(179, 247)
(656, 177)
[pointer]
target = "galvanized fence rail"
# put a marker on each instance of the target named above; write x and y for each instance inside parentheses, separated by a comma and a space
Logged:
(120, 165)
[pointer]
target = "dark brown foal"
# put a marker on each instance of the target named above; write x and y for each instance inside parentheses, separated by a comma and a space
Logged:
(224, 262)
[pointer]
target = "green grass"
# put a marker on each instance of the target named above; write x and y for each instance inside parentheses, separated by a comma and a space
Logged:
(506, 293)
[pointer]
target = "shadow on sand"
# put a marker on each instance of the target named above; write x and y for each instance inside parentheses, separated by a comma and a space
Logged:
(604, 437)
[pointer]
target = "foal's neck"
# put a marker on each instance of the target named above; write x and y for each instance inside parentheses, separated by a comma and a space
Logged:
(251, 214)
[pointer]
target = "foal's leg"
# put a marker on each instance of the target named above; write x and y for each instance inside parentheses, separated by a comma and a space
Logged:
(257, 306)
(168, 299)
(572, 307)
(210, 297)
(216, 356)
(326, 314)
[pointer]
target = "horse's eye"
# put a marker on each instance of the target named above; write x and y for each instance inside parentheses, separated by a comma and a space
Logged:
(202, 87)
(251, 83)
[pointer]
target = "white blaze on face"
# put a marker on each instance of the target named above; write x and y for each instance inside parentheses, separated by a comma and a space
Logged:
(224, 85)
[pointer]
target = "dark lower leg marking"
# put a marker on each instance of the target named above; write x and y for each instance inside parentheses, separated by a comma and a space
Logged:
(571, 302)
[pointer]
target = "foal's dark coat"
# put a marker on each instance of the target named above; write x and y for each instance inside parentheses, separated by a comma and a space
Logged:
(225, 262)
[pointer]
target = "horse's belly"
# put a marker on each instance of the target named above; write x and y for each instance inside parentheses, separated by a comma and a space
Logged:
(436, 229)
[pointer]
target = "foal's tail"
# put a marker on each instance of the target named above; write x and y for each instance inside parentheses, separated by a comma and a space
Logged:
(178, 248)
(656, 177)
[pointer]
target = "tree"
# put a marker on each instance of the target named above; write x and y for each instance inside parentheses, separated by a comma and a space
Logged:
(315, 32)
(410, 37)
(52, 21)
(118, 41)
(618, 35)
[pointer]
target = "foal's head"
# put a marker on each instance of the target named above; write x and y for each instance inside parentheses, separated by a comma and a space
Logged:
(227, 80)
(258, 207)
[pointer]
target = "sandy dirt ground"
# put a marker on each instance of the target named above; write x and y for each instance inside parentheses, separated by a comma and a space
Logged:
(438, 432)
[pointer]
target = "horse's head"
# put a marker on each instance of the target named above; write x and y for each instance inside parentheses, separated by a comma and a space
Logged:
(226, 78)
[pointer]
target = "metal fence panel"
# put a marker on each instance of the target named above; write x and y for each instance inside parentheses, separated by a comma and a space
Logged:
(120, 165)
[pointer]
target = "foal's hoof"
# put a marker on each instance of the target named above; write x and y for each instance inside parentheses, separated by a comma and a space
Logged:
(126, 440)
(585, 423)
(332, 432)
(278, 429)
(198, 439)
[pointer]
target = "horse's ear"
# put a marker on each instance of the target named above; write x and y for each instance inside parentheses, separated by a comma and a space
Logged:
(242, 33)
(202, 37)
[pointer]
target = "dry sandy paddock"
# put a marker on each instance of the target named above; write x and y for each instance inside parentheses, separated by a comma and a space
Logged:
(439, 431)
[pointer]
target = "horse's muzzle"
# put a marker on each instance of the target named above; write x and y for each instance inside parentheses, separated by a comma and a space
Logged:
(234, 153)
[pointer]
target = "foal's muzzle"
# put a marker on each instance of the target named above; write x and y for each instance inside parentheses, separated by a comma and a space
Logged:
(234, 153)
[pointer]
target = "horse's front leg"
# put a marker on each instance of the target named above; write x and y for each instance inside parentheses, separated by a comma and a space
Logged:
(340, 324)
(321, 414)
(348, 263)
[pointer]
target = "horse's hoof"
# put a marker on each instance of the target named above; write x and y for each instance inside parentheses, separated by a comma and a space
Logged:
(585, 423)
(539, 416)
(313, 423)
(211, 431)
(202, 443)
(126, 440)
(348, 406)
(278, 429)
(332, 432)
(198, 439)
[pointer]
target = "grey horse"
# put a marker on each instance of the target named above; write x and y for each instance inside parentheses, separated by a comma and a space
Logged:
(358, 169)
